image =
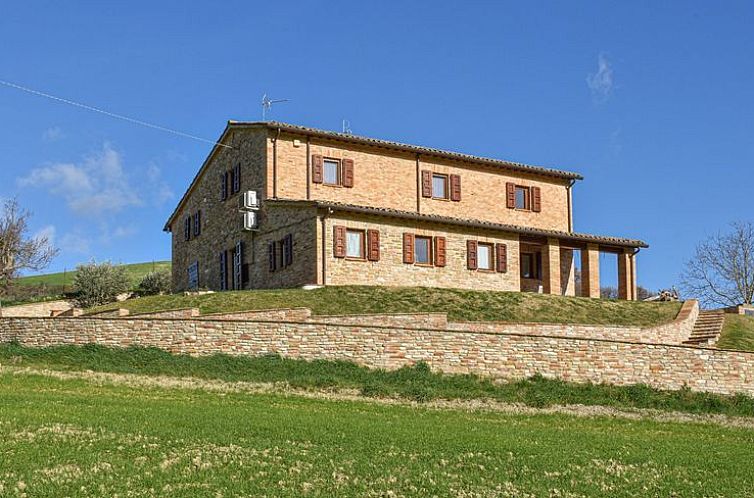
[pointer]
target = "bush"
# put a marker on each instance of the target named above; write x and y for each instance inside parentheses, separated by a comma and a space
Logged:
(156, 282)
(97, 284)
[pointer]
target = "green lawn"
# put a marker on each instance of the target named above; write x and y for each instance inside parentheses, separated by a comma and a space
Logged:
(738, 333)
(79, 438)
(135, 273)
(459, 304)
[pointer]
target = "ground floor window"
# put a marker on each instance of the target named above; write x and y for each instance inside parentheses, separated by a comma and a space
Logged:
(193, 276)
(529, 265)
(423, 250)
(355, 244)
(484, 256)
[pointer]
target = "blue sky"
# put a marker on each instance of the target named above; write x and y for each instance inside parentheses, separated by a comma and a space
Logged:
(650, 101)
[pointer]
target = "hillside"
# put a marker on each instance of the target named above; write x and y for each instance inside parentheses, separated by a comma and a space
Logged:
(135, 272)
(459, 304)
(738, 333)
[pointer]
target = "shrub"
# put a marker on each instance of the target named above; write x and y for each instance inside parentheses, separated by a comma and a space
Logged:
(96, 284)
(156, 282)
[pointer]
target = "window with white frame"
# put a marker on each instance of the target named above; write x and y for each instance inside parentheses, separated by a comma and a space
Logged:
(439, 186)
(484, 256)
(423, 250)
(331, 171)
(355, 244)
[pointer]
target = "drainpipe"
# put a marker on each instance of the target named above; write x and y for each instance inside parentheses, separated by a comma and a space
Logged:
(418, 186)
(275, 165)
(570, 204)
(308, 168)
(324, 245)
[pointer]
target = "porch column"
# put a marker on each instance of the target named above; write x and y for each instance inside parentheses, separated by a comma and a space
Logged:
(551, 267)
(590, 271)
(626, 275)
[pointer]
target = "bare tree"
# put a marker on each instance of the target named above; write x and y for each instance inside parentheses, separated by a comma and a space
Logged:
(18, 251)
(722, 269)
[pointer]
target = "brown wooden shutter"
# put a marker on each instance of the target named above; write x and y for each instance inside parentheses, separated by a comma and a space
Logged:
(455, 188)
(408, 248)
(510, 195)
(440, 244)
(348, 173)
(373, 245)
(426, 183)
(471, 260)
(536, 199)
(501, 258)
(317, 168)
(339, 241)
(272, 256)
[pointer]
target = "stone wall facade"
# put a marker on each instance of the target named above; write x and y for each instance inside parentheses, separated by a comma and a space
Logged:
(501, 355)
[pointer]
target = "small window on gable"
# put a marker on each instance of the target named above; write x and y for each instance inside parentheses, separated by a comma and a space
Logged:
(423, 250)
(484, 256)
(355, 244)
(439, 186)
(523, 198)
(331, 172)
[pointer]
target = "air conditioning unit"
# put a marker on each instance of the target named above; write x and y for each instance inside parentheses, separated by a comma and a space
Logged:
(250, 220)
(250, 200)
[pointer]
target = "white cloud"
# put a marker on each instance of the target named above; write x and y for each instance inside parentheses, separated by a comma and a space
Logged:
(93, 187)
(161, 191)
(601, 82)
(75, 243)
(47, 232)
(53, 134)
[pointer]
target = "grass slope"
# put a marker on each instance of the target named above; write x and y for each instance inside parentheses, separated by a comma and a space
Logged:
(135, 272)
(415, 383)
(459, 304)
(76, 438)
(738, 333)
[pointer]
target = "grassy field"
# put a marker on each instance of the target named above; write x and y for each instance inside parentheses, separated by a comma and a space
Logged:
(135, 273)
(738, 333)
(415, 383)
(77, 437)
(459, 304)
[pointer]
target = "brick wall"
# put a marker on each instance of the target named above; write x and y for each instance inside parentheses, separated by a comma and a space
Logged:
(498, 355)
(385, 178)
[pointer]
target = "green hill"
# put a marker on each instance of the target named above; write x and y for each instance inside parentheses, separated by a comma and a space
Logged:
(135, 272)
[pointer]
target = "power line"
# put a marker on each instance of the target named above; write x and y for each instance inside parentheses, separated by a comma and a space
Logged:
(110, 114)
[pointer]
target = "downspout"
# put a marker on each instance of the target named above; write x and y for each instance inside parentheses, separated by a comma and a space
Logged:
(418, 186)
(308, 168)
(275, 165)
(570, 204)
(323, 242)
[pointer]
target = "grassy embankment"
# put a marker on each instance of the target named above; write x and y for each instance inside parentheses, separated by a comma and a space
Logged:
(459, 304)
(738, 333)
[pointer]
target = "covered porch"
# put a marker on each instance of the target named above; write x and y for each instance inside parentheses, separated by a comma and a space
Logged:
(548, 265)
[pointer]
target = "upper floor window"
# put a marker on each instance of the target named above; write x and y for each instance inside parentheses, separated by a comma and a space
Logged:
(439, 186)
(355, 244)
(523, 198)
(331, 171)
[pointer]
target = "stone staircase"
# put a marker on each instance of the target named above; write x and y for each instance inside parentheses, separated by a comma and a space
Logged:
(706, 329)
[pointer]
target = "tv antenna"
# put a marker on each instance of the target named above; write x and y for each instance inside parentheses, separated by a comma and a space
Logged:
(347, 127)
(267, 105)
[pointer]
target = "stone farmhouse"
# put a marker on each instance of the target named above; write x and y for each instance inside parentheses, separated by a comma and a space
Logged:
(278, 205)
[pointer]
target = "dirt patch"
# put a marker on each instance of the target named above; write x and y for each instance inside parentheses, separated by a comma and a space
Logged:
(145, 381)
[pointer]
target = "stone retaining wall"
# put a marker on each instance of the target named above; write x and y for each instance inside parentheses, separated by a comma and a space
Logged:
(283, 314)
(674, 332)
(406, 320)
(494, 354)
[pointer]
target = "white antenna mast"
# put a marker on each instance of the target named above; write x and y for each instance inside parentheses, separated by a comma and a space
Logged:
(267, 105)
(347, 127)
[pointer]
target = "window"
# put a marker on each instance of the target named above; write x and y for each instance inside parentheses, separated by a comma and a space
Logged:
(197, 223)
(522, 198)
(355, 244)
(331, 171)
(484, 256)
(439, 186)
(528, 269)
(422, 250)
(193, 276)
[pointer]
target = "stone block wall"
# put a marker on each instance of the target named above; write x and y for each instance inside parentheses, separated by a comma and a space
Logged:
(494, 354)
(288, 315)
(404, 320)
